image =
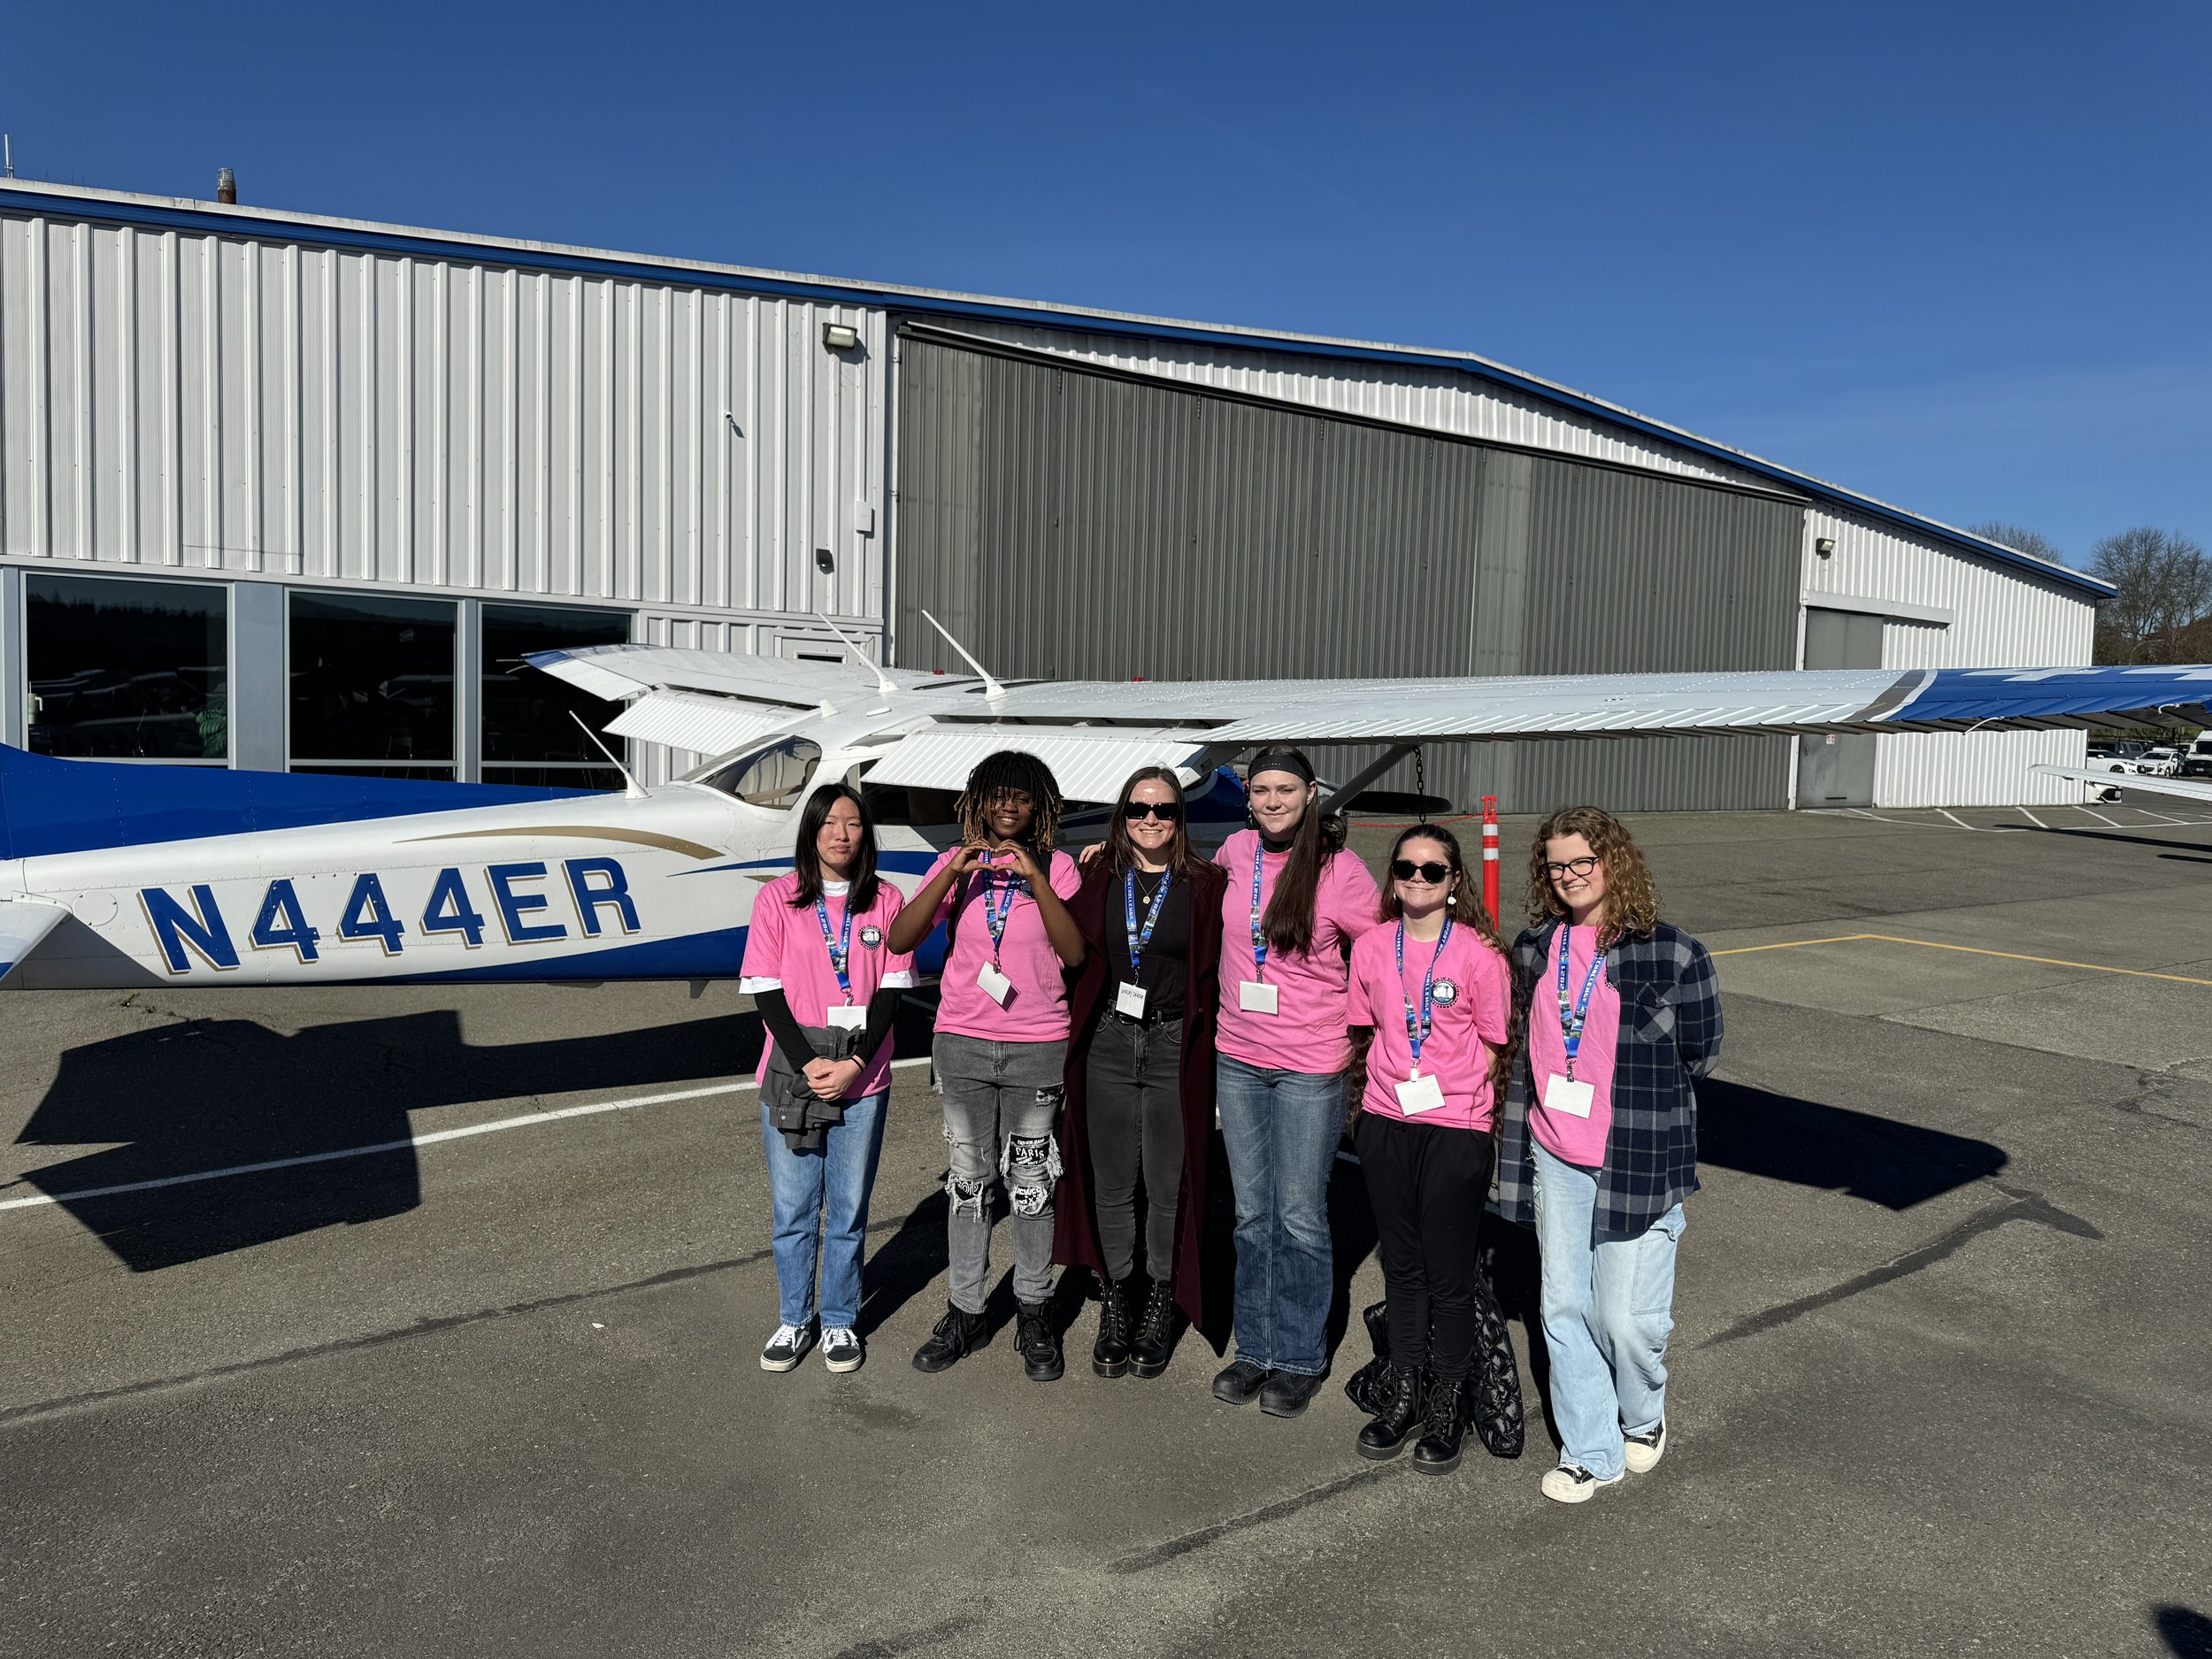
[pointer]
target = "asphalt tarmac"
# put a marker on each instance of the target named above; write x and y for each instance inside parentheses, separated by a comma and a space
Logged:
(1938, 1369)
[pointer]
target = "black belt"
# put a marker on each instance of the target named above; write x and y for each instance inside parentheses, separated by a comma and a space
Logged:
(1163, 1017)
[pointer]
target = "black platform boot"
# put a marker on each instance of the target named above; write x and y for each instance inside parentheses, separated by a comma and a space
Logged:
(1110, 1354)
(1397, 1396)
(1445, 1427)
(1155, 1342)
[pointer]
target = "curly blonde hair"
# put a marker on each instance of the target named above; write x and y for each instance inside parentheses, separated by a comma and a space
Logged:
(1632, 898)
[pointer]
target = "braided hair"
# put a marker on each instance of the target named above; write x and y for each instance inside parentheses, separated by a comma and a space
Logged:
(1011, 769)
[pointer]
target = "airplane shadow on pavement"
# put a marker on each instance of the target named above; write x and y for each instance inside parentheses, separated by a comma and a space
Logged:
(222, 1093)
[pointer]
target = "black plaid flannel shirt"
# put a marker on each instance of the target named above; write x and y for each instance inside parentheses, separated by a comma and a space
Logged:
(1670, 1035)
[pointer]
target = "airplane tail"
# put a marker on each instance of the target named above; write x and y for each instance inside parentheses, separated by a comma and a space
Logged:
(65, 806)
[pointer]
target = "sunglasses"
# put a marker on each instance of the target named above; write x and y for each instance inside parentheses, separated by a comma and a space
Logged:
(1406, 870)
(1137, 812)
(1572, 867)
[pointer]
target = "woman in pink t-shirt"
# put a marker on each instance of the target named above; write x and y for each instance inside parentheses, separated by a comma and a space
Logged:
(1296, 899)
(827, 982)
(1433, 983)
(1002, 1043)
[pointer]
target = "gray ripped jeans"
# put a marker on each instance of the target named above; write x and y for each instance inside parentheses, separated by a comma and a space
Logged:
(1001, 1107)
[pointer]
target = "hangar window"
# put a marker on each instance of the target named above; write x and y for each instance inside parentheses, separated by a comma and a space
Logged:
(528, 735)
(372, 685)
(776, 776)
(122, 670)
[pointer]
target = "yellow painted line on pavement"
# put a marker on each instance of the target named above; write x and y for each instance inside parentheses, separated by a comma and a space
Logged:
(1971, 950)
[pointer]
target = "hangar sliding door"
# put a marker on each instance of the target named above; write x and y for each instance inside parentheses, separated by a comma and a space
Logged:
(1067, 522)
(1837, 770)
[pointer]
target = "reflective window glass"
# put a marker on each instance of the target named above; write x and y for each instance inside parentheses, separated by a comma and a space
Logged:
(776, 776)
(529, 737)
(122, 670)
(372, 685)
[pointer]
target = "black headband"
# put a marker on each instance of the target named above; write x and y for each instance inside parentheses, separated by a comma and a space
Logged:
(1289, 760)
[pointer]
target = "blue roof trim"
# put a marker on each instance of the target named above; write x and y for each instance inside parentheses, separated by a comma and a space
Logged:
(236, 221)
(68, 806)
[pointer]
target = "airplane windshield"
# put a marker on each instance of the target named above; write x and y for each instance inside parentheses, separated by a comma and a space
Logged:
(775, 776)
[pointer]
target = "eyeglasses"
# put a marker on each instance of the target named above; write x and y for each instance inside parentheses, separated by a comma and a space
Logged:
(1137, 812)
(1577, 867)
(1406, 870)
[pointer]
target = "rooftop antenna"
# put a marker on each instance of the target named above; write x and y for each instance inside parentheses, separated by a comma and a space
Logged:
(632, 792)
(883, 681)
(991, 689)
(7, 153)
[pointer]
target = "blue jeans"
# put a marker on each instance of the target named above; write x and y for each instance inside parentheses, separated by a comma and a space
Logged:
(1281, 1129)
(1608, 1308)
(823, 1194)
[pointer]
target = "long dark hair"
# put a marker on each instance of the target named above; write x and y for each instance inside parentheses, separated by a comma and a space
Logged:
(1011, 769)
(1121, 852)
(1318, 838)
(1466, 908)
(806, 857)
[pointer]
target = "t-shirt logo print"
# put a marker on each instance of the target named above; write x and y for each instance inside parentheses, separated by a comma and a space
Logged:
(871, 938)
(1446, 991)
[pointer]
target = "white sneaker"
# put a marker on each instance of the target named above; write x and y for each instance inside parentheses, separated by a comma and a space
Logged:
(841, 1349)
(1641, 1452)
(786, 1347)
(1571, 1483)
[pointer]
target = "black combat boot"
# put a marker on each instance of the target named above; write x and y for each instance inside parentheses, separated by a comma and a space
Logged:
(1446, 1426)
(1397, 1396)
(1155, 1331)
(958, 1334)
(1038, 1343)
(1110, 1354)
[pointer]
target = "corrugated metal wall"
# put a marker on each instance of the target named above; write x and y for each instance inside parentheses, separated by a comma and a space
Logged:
(1068, 524)
(1999, 619)
(226, 403)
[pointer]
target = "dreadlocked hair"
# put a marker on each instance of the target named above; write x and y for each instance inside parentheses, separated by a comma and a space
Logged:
(1632, 898)
(1011, 769)
(1466, 908)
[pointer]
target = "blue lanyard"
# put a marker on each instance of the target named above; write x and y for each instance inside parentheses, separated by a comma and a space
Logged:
(1570, 1032)
(1138, 941)
(1259, 938)
(995, 912)
(1416, 1035)
(841, 951)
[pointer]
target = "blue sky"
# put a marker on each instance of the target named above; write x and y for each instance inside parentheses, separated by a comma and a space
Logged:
(1957, 255)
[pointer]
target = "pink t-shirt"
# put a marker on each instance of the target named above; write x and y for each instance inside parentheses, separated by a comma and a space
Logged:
(1306, 1032)
(1570, 1139)
(1037, 1009)
(784, 951)
(1472, 999)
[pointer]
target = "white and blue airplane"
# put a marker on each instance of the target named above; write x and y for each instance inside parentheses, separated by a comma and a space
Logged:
(123, 876)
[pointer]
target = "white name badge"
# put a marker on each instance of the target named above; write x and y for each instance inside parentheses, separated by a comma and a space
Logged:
(1255, 997)
(1420, 1094)
(849, 1018)
(996, 985)
(1565, 1095)
(1129, 1001)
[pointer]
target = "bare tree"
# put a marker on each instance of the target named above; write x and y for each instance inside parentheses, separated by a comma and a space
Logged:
(2162, 610)
(2019, 539)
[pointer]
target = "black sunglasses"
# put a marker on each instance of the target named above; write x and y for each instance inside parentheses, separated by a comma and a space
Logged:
(1405, 870)
(1137, 812)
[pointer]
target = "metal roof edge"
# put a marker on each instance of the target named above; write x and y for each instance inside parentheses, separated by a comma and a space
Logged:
(186, 214)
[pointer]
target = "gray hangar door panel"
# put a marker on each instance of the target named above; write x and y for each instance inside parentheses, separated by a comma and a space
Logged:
(1066, 523)
(1837, 769)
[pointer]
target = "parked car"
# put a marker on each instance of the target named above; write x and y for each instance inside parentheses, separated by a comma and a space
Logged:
(2161, 762)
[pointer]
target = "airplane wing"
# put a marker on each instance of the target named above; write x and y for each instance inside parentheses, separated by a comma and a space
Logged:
(23, 923)
(2185, 788)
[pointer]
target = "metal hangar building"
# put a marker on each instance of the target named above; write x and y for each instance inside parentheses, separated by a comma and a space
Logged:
(283, 491)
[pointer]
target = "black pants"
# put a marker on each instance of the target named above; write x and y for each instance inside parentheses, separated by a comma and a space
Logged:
(1133, 1119)
(1427, 1185)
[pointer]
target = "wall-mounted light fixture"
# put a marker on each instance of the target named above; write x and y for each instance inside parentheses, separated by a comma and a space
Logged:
(840, 336)
(824, 561)
(1826, 547)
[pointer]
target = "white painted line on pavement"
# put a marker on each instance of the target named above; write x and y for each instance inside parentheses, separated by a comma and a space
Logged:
(525, 1121)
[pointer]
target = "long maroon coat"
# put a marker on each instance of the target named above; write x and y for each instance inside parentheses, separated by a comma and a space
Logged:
(1075, 1243)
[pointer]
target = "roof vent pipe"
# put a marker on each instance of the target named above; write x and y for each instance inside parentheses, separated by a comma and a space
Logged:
(226, 185)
